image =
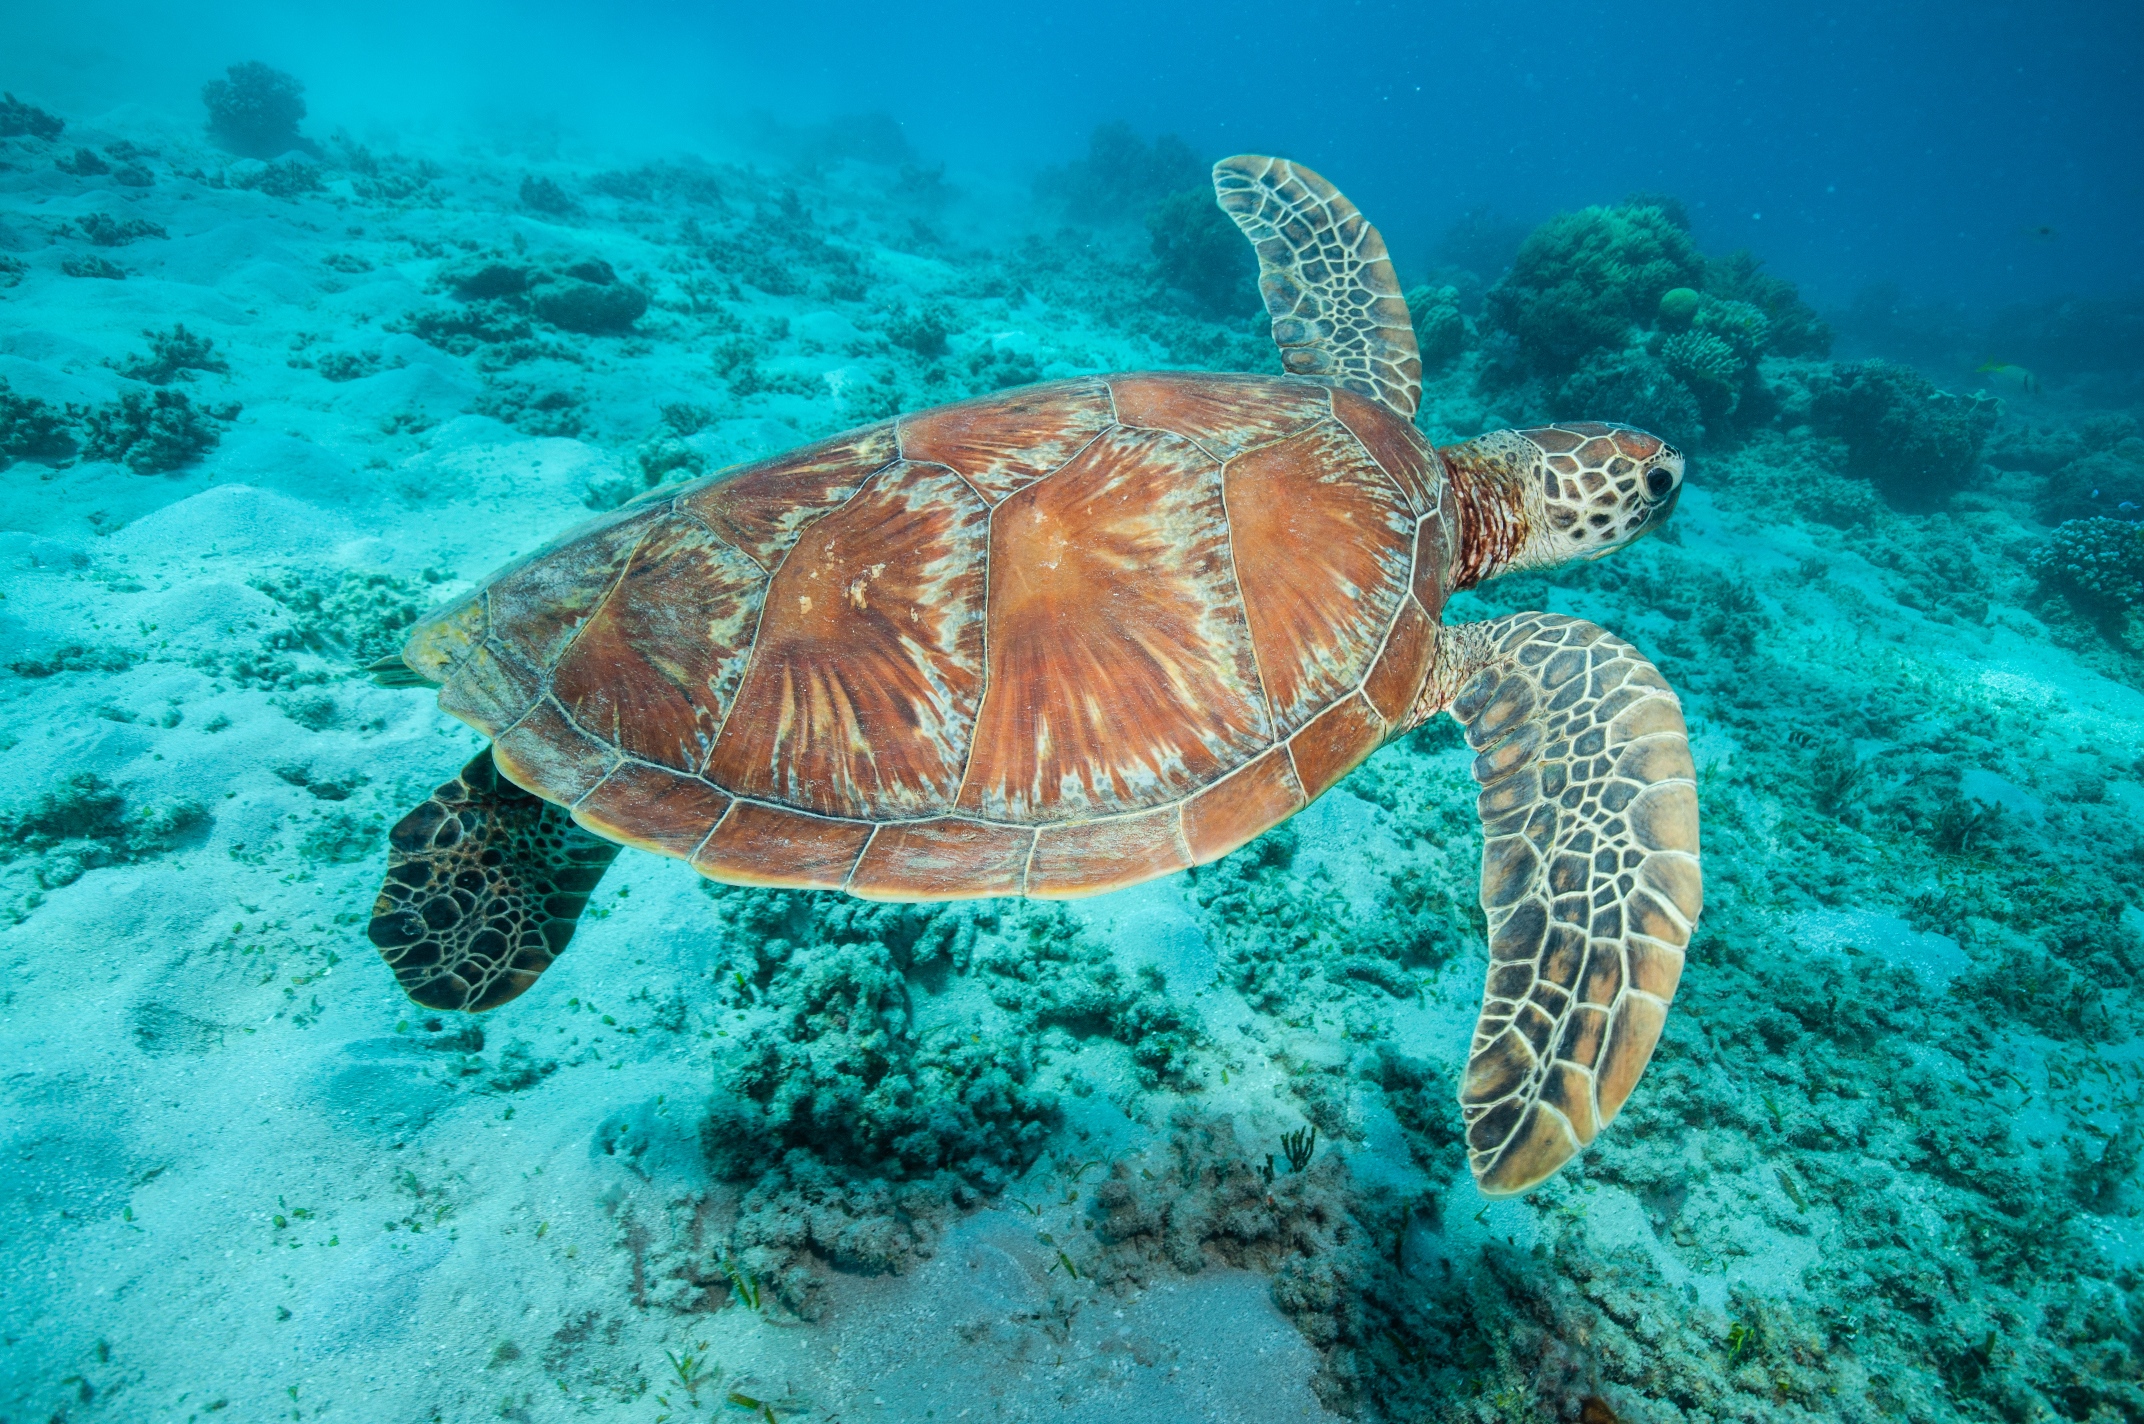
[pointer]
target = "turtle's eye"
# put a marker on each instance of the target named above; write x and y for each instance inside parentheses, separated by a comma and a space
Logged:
(1659, 481)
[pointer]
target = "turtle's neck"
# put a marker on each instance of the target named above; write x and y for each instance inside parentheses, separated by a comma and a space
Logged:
(1488, 481)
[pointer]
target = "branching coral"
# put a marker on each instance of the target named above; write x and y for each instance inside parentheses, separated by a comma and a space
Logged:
(545, 196)
(1796, 329)
(922, 331)
(107, 231)
(500, 294)
(288, 181)
(360, 615)
(841, 1072)
(1746, 330)
(173, 354)
(1706, 364)
(842, 1075)
(588, 298)
(1053, 975)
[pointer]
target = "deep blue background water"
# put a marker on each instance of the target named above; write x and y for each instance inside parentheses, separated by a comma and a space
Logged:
(1975, 153)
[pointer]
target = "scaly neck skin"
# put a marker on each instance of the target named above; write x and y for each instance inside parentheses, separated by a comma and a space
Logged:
(1496, 490)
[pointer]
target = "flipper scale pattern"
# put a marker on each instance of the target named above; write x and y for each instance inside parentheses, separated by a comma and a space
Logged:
(1590, 880)
(1338, 313)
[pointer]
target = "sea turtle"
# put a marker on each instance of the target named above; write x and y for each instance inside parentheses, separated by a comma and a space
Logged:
(1073, 636)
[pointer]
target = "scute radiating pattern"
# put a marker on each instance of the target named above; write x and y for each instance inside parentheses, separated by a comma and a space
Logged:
(1590, 881)
(484, 885)
(1338, 313)
(1014, 655)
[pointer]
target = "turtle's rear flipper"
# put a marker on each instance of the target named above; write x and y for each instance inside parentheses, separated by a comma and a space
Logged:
(484, 884)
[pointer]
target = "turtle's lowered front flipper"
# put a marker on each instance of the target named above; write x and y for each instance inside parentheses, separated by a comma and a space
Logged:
(484, 884)
(1589, 878)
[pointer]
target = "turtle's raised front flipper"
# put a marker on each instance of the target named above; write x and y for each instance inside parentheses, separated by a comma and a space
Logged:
(1338, 314)
(1589, 878)
(484, 884)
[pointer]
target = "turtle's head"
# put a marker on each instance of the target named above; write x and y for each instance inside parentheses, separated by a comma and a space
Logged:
(1532, 498)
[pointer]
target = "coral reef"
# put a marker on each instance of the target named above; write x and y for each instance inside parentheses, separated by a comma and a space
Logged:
(1122, 175)
(254, 110)
(82, 163)
(173, 355)
(1198, 251)
(545, 196)
(152, 433)
(288, 180)
(1051, 976)
(499, 295)
(58, 835)
(851, 1121)
(1335, 1252)
(1614, 312)
(358, 616)
(18, 119)
(1794, 327)
(2093, 468)
(1918, 445)
(93, 266)
(1582, 280)
(1678, 308)
(1884, 1164)
(586, 297)
(31, 429)
(106, 231)
(2098, 562)
(1440, 330)
(1636, 388)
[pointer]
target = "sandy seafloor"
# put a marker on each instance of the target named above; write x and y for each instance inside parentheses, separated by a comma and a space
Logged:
(244, 1179)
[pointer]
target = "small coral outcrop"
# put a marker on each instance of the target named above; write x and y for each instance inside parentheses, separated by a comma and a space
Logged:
(30, 429)
(545, 196)
(1612, 313)
(1122, 176)
(2098, 563)
(1198, 251)
(254, 110)
(586, 297)
(152, 432)
(1918, 445)
(1638, 389)
(20, 120)
(174, 355)
(1794, 328)
(1440, 329)
(500, 295)
(1583, 280)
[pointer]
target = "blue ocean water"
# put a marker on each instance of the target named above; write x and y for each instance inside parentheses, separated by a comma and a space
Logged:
(312, 321)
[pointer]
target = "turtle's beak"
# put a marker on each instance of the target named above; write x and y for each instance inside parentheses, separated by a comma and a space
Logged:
(1655, 516)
